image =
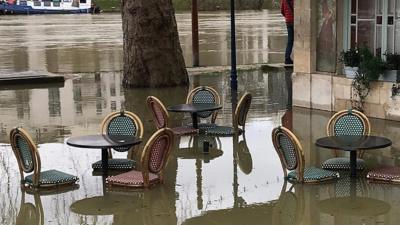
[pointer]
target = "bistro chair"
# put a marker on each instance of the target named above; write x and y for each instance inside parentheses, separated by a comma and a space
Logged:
(120, 123)
(28, 159)
(346, 122)
(390, 174)
(239, 119)
(161, 117)
(153, 161)
(291, 155)
(205, 95)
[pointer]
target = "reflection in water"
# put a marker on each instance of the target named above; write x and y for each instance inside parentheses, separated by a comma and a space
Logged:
(89, 43)
(243, 184)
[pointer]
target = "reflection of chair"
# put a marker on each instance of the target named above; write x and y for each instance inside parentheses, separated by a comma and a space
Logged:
(289, 208)
(161, 117)
(346, 122)
(29, 213)
(120, 123)
(291, 155)
(153, 160)
(29, 161)
(205, 95)
(240, 119)
(243, 156)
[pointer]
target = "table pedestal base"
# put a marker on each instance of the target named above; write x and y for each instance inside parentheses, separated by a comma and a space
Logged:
(353, 163)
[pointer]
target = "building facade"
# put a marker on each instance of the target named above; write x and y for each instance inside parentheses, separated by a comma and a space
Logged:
(323, 28)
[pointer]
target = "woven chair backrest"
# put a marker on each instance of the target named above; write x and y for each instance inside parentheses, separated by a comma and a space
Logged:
(24, 149)
(243, 108)
(287, 149)
(157, 150)
(204, 95)
(158, 111)
(123, 123)
(348, 122)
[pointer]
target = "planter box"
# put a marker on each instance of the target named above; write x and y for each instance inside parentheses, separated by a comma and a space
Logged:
(390, 75)
(350, 72)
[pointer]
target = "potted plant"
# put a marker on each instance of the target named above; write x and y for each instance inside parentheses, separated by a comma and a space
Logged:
(370, 68)
(351, 61)
(392, 67)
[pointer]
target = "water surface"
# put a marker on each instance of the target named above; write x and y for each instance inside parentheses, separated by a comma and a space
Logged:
(89, 43)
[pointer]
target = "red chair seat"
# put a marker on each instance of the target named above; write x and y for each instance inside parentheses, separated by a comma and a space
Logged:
(132, 178)
(388, 174)
(181, 131)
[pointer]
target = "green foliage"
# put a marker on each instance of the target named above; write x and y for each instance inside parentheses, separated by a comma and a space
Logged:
(370, 68)
(109, 5)
(392, 61)
(350, 57)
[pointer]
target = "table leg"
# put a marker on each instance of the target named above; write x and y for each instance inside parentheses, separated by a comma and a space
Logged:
(353, 163)
(104, 161)
(194, 120)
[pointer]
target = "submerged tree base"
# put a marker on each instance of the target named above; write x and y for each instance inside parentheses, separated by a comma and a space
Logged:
(152, 51)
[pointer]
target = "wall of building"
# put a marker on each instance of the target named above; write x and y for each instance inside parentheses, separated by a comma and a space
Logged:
(329, 90)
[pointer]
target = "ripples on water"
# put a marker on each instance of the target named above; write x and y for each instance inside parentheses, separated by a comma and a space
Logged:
(239, 182)
(89, 43)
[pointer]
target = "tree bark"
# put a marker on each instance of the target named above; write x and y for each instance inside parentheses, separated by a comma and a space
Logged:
(152, 51)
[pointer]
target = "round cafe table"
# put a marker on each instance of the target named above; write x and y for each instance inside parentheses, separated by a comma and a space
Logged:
(353, 144)
(103, 142)
(194, 109)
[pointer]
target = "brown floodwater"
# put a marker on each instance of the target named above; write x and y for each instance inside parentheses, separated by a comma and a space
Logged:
(90, 43)
(238, 182)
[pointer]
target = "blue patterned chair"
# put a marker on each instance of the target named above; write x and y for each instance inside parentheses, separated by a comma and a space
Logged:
(161, 117)
(205, 95)
(346, 122)
(28, 159)
(291, 155)
(121, 123)
(239, 121)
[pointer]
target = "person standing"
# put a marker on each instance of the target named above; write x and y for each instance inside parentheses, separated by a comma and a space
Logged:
(287, 11)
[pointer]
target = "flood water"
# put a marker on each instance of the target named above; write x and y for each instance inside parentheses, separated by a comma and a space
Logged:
(89, 43)
(239, 182)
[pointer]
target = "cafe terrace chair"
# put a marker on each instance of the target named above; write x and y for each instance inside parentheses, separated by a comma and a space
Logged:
(153, 161)
(161, 116)
(239, 121)
(291, 155)
(28, 159)
(346, 122)
(120, 123)
(389, 174)
(205, 95)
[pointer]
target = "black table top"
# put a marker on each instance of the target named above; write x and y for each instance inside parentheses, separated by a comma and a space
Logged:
(353, 143)
(192, 108)
(103, 141)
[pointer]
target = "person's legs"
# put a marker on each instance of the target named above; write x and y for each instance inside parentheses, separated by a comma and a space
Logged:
(289, 45)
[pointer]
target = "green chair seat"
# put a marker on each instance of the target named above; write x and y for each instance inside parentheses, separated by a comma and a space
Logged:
(341, 163)
(53, 177)
(313, 174)
(221, 131)
(115, 164)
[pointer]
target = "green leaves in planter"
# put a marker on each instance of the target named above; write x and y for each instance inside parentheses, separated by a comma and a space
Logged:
(370, 65)
(350, 57)
(392, 61)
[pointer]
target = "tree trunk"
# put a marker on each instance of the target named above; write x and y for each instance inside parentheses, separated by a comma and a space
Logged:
(152, 52)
